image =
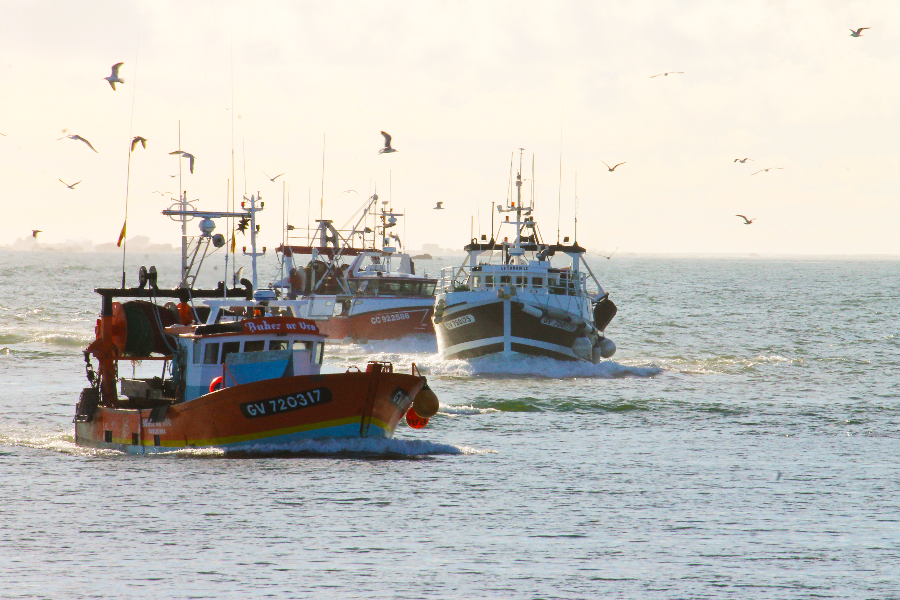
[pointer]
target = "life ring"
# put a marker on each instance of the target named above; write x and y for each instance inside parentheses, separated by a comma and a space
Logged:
(216, 384)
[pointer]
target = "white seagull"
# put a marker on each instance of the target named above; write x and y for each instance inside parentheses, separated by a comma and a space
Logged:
(610, 254)
(185, 155)
(272, 178)
(80, 139)
(858, 32)
(611, 169)
(439, 206)
(666, 74)
(766, 170)
(742, 160)
(348, 191)
(387, 143)
(71, 187)
(113, 78)
(746, 220)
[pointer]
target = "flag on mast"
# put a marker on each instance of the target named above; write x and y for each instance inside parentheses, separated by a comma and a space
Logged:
(233, 241)
(121, 235)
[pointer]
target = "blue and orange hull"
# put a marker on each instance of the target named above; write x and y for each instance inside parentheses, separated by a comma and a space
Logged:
(270, 412)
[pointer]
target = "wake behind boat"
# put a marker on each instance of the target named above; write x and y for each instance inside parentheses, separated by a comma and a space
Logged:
(510, 297)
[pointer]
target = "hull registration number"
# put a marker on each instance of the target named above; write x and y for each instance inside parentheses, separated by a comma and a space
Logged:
(286, 403)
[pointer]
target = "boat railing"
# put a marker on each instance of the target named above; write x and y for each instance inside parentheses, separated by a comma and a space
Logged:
(454, 279)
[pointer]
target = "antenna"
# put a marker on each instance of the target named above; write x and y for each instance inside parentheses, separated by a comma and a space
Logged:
(532, 181)
(576, 208)
(322, 197)
(122, 238)
(559, 196)
(308, 210)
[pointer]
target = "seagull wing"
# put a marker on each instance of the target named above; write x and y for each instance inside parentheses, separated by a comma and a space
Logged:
(81, 139)
(115, 70)
(743, 217)
(604, 162)
(64, 183)
(387, 139)
(277, 176)
(621, 163)
(176, 152)
(76, 183)
(190, 156)
(760, 171)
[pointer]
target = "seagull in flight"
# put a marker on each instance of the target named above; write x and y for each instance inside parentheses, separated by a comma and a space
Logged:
(439, 206)
(80, 139)
(185, 155)
(611, 169)
(113, 78)
(742, 160)
(138, 140)
(766, 170)
(71, 187)
(272, 178)
(746, 220)
(666, 74)
(348, 191)
(858, 32)
(387, 143)
(610, 254)
(34, 232)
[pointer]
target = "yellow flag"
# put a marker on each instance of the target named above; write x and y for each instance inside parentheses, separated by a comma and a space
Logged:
(121, 235)
(232, 242)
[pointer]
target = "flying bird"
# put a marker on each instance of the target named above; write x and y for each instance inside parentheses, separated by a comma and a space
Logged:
(185, 155)
(348, 191)
(290, 227)
(742, 160)
(80, 139)
(138, 140)
(858, 32)
(610, 254)
(666, 74)
(439, 206)
(766, 170)
(161, 193)
(387, 143)
(113, 78)
(611, 169)
(746, 220)
(34, 232)
(272, 178)
(71, 187)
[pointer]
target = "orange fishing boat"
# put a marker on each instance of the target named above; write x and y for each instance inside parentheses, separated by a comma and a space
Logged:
(249, 374)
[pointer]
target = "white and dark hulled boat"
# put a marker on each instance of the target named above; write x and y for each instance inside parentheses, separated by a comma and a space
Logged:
(522, 295)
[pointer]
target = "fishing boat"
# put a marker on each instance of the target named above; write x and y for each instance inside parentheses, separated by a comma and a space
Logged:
(523, 295)
(239, 371)
(359, 293)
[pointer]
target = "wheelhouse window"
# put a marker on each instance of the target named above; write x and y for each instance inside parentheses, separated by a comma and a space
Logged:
(279, 345)
(319, 353)
(211, 353)
(229, 348)
(476, 281)
(255, 346)
(489, 281)
(520, 281)
(537, 282)
(504, 279)
(428, 289)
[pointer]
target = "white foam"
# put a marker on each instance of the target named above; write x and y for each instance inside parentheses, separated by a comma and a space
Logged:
(464, 410)
(368, 446)
(532, 366)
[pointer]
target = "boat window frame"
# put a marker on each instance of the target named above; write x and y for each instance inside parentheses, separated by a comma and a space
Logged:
(211, 348)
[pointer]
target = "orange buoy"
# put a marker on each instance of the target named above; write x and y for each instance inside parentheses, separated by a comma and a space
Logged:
(414, 420)
(216, 384)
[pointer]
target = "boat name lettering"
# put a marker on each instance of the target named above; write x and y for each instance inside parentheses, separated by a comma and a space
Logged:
(286, 403)
(148, 423)
(265, 326)
(514, 268)
(459, 321)
(389, 318)
(558, 324)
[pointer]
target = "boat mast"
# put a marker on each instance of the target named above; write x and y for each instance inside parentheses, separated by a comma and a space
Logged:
(253, 252)
(519, 200)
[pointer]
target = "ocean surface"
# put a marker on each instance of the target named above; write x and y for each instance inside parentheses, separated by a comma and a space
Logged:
(743, 443)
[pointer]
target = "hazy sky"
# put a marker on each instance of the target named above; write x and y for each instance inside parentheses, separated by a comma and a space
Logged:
(460, 85)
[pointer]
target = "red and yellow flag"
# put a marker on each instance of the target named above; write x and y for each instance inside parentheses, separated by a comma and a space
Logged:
(233, 241)
(121, 235)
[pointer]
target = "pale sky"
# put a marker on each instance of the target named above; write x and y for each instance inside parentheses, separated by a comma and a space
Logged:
(460, 86)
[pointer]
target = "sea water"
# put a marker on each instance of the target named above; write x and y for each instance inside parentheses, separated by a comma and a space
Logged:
(743, 443)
